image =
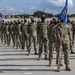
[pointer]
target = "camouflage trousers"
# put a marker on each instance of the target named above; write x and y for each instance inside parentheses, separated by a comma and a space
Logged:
(43, 41)
(25, 40)
(33, 39)
(71, 45)
(73, 36)
(51, 49)
(65, 50)
(8, 38)
(3, 38)
(16, 41)
(13, 40)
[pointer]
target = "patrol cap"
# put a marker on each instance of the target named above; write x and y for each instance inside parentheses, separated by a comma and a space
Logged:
(25, 20)
(43, 17)
(54, 18)
(2, 20)
(31, 17)
(62, 20)
(68, 20)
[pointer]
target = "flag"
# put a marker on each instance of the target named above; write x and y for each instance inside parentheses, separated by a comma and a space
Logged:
(0, 19)
(63, 14)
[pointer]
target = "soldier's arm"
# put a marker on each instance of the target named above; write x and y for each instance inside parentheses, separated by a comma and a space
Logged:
(58, 33)
(49, 31)
(69, 34)
(21, 27)
(38, 28)
(28, 28)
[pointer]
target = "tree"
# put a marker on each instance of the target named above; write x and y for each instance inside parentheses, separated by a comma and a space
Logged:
(39, 13)
(0, 14)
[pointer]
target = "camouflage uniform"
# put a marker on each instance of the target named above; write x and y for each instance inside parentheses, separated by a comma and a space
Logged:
(10, 30)
(12, 33)
(25, 37)
(43, 39)
(15, 34)
(33, 34)
(63, 34)
(70, 35)
(19, 35)
(4, 32)
(38, 38)
(8, 33)
(52, 40)
(73, 30)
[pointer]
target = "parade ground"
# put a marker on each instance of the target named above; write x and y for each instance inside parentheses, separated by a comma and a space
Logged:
(15, 62)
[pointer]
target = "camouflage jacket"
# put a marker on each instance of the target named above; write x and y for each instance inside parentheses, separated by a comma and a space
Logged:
(32, 27)
(63, 32)
(24, 28)
(52, 33)
(43, 30)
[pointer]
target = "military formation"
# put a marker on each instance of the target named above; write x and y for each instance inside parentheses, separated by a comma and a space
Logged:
(47, 36)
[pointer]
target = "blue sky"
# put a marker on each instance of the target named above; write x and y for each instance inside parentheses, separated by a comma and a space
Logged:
(29, 6)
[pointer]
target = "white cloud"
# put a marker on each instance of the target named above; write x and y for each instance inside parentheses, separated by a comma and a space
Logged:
(55, 6)
(59, 2)
(11, 8)
(32, 8)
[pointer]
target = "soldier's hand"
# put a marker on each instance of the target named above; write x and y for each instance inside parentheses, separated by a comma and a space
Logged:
(12, 32)
(61, 39)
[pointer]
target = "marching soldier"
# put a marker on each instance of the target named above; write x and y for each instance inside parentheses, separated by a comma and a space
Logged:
(52, 39)
(2, 34)
(63, 41)
(73, 31)
(70, 34)
(33, 34)
(19, 34)
(12, 32)
(15, 34)
(8, 33)
(25, 36)
(43, 38)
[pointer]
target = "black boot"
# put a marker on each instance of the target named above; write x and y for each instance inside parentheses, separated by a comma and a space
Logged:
(28, 53)
(50, 63)
(36, 53)
(46, 58)
(39, 58)
(72, 52)
(67, 68)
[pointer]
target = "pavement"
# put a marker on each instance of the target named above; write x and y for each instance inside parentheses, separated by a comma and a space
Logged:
(15, 62)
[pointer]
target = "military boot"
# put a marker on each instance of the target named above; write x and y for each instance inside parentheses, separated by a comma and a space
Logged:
(50, 63)
(72, 52)
(46, 58)
(67, 68)
(28, 53)
(39, 58)
(35, 49)
(22, 50)
(59, 64)
(17, 47)
(35, 53)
